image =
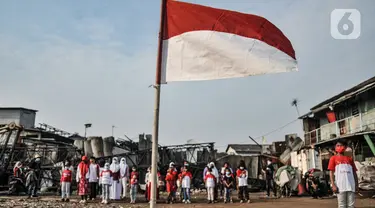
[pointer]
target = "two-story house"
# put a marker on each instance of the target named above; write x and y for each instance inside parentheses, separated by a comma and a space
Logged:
(349, 115)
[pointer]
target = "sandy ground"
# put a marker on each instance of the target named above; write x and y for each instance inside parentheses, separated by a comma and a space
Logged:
(258, 201)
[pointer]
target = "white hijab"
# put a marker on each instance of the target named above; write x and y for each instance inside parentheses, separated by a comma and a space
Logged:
(214, 169)
(123, 167)
(115, 167)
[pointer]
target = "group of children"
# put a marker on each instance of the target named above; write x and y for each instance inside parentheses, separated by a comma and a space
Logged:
(112, 180)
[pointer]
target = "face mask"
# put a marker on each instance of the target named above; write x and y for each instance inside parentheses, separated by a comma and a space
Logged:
(66, 168)
(340, 149)
(242, 168)
(268, 162)
(227, 173)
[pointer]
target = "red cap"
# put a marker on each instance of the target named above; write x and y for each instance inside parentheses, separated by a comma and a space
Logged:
(84, 158)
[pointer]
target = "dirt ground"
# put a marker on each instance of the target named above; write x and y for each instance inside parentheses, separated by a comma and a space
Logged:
(258, 201)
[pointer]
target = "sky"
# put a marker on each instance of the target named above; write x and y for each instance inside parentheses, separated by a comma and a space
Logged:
(80, 62)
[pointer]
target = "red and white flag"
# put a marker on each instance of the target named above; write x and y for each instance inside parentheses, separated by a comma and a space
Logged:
(205, 43)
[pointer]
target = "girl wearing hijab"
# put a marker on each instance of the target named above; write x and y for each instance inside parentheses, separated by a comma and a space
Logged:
(82, 179)
(115, 192)
(124, 176)
(215, 172)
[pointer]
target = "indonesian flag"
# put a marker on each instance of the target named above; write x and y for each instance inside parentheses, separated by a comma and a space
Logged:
(204, 43)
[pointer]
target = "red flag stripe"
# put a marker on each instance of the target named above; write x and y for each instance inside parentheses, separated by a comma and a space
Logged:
(186, 17)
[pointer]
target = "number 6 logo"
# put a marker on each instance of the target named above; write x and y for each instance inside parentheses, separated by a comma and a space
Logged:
(345, 24)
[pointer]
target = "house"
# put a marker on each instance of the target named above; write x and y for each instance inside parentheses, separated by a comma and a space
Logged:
(244, 149)
(21, 116)
(349, 115)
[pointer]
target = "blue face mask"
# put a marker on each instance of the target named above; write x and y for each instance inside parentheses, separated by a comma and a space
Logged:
(227, 173)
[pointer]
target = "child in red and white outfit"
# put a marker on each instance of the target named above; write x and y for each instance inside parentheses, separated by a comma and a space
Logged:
(65, 180)
(242, 176)
(210, 181)
(186, 177)
(170, 179)
(343, 175)
(106, 181)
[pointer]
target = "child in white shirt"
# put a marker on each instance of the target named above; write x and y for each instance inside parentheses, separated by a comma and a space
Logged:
(106, 182)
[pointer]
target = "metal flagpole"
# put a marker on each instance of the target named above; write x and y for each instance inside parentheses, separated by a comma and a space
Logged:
(157, 86)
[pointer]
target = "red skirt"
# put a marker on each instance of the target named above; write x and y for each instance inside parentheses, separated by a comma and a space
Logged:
(83, 187)
(148, 192)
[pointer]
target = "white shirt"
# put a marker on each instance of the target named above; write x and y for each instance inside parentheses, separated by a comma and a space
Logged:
(210, 183)
(105, 177)
(186, 182)
(344, 168)
(93, 172)
(242, 179)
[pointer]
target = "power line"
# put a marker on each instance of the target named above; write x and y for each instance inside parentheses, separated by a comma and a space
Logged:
(268, 133)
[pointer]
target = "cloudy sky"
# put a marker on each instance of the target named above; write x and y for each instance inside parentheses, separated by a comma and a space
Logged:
(92, 61)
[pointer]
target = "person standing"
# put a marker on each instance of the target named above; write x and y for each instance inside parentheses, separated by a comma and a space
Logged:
(343, 176)
(66, 181)
(133, 189)
(149, 184)
(124, 176)
(215, 172)
(186, 177)
(242, 176)
(228, 183)
(106, 182)
(31, 182)
(223, 170)
(270, 174)
(170, 179)
(82, 179)
(210, 181)
(93, 178)
(115, 191)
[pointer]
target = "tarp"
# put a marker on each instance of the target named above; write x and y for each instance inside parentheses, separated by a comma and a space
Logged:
(288, 174)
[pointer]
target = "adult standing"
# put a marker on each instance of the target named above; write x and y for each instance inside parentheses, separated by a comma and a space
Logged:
(115, 191)
(270, 174)
(215, 172)
(82, 179)
(124, 176)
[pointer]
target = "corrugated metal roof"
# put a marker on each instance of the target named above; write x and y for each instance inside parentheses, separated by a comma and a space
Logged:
(361, 87)
(245, 148)
(17, 108)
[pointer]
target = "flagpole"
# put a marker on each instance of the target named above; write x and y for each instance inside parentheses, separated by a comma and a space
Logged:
(157, 86)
